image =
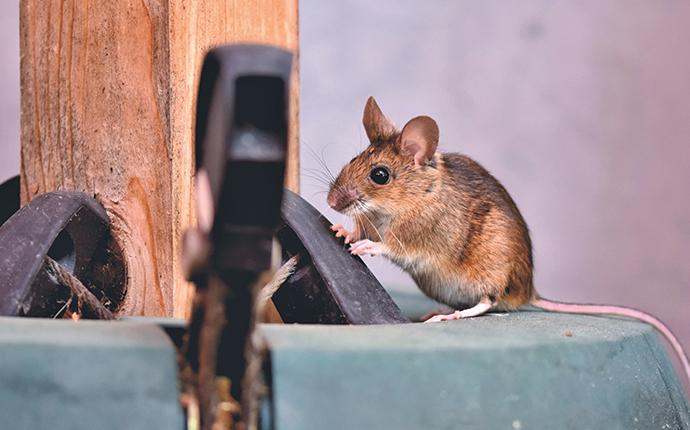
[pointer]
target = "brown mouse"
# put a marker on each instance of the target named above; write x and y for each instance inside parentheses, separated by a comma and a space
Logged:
(446, 221)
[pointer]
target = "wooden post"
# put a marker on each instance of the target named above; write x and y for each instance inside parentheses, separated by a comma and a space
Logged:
(108, 102)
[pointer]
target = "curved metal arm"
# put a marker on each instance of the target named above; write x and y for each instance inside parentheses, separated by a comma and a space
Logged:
(330, 286)
(71, 228)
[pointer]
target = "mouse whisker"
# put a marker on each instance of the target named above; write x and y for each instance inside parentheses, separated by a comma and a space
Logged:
(319, 179)
(364, 215)
(321, 174)
(314, 170)
(367, 207)
(359, 225)
(321, 160)
(376, 230)
(315, 175)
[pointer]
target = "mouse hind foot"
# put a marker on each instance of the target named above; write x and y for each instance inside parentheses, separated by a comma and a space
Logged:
(484, 306)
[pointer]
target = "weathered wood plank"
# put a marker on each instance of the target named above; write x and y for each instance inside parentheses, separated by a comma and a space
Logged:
(108, 95)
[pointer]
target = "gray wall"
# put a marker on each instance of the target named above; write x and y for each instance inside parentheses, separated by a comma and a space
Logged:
(580, 108)
(9, 89)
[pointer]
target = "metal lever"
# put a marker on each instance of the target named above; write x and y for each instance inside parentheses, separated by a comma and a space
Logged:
(241, 144)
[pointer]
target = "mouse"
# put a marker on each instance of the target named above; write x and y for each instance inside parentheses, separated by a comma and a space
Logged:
(447, 222)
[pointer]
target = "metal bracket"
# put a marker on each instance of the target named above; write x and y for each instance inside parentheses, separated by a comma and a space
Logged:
(329, 286)
(72, 229)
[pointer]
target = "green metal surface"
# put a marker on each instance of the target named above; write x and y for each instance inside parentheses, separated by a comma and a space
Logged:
(524, 370)
(58, 374)
(415, 306)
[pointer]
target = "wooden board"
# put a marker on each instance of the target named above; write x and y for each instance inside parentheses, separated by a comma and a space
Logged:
(108, 99)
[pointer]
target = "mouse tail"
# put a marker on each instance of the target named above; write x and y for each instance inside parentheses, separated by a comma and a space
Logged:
(590, 309)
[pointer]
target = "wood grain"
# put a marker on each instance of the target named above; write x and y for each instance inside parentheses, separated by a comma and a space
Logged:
(108, 100)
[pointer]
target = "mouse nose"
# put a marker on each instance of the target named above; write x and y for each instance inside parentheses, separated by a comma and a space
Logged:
(340, 199)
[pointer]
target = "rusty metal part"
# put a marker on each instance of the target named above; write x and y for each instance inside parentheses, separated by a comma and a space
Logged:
(72, 229)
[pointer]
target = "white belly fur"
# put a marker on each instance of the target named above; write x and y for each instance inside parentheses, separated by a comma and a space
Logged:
(448, 290)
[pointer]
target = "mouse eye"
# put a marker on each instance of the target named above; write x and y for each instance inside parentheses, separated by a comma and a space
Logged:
(380, 175)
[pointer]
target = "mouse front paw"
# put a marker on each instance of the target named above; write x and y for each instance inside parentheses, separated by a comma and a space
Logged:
(341, 231)
(366, 246)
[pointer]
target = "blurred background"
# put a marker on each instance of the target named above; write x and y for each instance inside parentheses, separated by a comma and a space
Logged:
(9, 89)
(580, 108)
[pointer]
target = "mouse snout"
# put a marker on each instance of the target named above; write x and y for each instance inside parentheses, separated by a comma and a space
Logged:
(340, 199)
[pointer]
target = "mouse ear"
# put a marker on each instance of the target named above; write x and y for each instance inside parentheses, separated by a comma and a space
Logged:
(419, 138)
(376, 124)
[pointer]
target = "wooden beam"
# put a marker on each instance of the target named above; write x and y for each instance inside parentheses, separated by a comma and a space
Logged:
(108, 102)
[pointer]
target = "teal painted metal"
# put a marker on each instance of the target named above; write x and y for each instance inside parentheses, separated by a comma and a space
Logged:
(415, 306)
(522, 370)
(58, 374)
(525, 370)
